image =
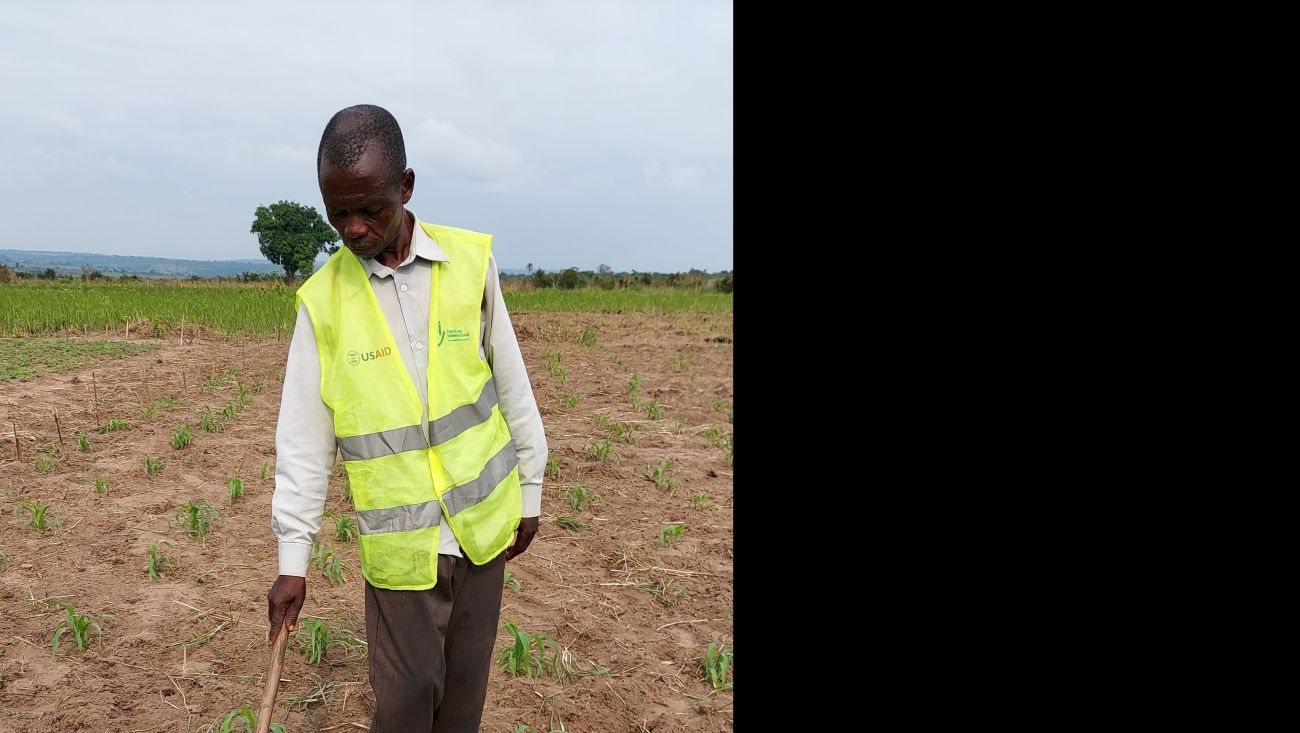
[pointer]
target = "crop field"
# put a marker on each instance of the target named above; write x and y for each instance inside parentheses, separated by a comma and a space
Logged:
(137, 464)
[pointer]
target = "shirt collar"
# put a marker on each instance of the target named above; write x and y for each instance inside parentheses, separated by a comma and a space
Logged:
(422, 245)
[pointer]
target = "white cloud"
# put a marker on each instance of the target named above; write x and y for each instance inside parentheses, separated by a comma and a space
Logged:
(680, 176)
(487, 161)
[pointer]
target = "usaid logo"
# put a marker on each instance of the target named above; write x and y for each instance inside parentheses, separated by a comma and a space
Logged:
(356, 357)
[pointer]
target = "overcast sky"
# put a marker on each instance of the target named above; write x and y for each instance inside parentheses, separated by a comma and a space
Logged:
(577, 133)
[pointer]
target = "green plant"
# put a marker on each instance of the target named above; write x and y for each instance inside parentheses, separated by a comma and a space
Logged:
(633, 384)
(182, 438)
(622, 433)
(230, 410)
(569, 400)
(512, 583)
(663, 477)
(242, 399)
(101, 484)
(4, 562)
(717, 665)
(555, 365)
(670, 534)
(328, 563)
(599, 451)
(239, 720)
(653, 409)
(197, 518)
(346, 489)
(152, 465)
(76, 624)
(157, 564)
(587, 337)
(721, 405)
(208, 422)
(314, 638)
(264, 470)
(579, 497)
(39, 515)
(701, 501)
(602, 420)
(258, 386)
(570, 523)
(45, 464)
(680, 363)
(553, 468)
(344, 529)
(532, 655)
(83, 445)
(618, 360)
(114, 424)
(235, 488)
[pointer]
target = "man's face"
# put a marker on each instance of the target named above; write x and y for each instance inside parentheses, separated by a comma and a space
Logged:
(365, 207)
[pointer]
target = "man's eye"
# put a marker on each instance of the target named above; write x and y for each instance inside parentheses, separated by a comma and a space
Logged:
(373, 212)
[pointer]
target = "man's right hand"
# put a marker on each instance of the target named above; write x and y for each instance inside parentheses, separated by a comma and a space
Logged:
(283, 602)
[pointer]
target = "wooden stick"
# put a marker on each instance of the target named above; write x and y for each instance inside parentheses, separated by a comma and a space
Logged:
(18, 446)
(59, 428)
(95, 387)
(273, 678)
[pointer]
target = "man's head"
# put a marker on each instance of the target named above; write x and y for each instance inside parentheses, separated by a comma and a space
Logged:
(364, 181)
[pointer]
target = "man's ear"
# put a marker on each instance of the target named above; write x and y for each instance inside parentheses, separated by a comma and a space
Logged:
(408, 185)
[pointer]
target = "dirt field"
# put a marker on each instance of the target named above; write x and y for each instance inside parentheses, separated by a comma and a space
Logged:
(179, 652)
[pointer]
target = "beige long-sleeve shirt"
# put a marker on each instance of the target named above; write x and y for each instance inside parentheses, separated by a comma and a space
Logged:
(304, 438)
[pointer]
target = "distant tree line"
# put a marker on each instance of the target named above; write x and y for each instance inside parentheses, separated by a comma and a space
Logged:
(606, 279)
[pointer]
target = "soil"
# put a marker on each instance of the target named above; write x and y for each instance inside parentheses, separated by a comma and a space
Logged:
(632, 618)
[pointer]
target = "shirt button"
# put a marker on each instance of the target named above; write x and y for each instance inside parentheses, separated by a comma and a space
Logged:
(403, 288)
(419, 345)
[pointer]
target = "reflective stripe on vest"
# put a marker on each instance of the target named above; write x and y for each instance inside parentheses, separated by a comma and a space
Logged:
(415, 437)
(427, 514)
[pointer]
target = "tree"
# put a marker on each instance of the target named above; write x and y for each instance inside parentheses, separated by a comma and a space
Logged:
(291, 235)
(530, 268)
(569, 279)
(605, 270)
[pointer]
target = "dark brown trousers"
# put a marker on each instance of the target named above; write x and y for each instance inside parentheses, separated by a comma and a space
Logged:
(431, 650)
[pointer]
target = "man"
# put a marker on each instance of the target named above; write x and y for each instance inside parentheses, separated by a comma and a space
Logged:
(404, 359)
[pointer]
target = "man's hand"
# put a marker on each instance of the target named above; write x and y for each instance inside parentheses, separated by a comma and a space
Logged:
(284, 600)
(527, 528)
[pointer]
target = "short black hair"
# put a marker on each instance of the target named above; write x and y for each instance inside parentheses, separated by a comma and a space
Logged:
(352, 131)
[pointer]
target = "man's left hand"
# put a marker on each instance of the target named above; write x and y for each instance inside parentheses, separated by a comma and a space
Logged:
(527, 528)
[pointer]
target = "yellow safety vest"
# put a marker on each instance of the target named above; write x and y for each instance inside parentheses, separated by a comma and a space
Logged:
(405, 474)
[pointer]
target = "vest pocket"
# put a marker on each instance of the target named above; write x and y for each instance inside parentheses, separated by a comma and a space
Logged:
(401, 560)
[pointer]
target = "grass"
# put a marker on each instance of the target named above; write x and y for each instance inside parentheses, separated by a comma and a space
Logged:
(83, 444)
(39, 516)
(182, 437)
(234, 488)
(158, 564)
(230, 411)
(512, 583)
(239, 720)
(654, 409)
(264, 470)
(114, 425)
(569, 400)
(78, 625)
(670, 534)
(197, 518)
(328, 563)
(717, 666)
(596, 300)
(552, 468)
(23, 358)
(39, 307)
(701, 501)
(555, 365)
(572, 524)
(622, 433)
(153, 465)
(586, 337)
(633, 384)
(662, 476)
(101, 484)
(208, 423)
(602, 420)
(314, 638)
(46, 464)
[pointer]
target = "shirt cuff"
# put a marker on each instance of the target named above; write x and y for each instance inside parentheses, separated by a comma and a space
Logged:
(532, 501)
(294, 558)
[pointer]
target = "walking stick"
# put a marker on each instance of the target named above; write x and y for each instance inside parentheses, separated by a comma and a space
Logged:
(273, 678)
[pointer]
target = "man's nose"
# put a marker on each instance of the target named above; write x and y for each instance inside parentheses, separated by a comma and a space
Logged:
(354, 228)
